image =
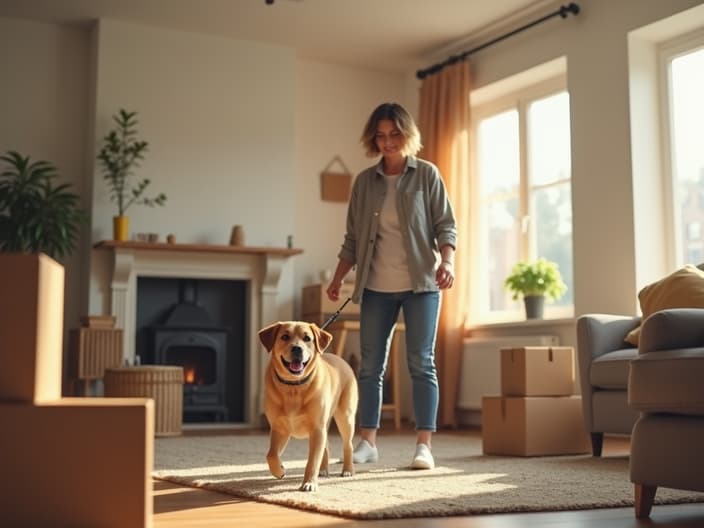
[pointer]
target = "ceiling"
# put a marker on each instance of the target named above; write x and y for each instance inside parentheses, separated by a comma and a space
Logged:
(391, 35)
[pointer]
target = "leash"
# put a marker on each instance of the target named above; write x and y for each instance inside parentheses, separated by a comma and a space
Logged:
(334, 316)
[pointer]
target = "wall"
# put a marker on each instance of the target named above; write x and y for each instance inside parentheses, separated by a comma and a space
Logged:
(332, 106)
(219, 117)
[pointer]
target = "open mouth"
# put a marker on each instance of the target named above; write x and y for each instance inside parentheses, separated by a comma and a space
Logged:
(295, 367)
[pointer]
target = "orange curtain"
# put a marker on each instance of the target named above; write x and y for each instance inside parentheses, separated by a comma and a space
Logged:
(444, 125)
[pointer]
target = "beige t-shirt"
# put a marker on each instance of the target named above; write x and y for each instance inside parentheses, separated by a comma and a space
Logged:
(389, 265)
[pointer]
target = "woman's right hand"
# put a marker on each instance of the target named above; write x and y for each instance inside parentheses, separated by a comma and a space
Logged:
(333, 290)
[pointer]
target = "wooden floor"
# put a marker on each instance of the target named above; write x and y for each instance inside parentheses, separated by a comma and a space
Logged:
(180, 507)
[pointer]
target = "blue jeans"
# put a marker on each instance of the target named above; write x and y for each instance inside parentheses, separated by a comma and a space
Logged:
(379, 312)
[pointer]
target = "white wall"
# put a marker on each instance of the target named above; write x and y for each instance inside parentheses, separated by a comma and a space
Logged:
(219, 117)
(332, 106)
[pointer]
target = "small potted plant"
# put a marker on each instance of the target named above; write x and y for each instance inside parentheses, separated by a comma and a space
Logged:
(36, 214)
(119, 156)
(535, 281)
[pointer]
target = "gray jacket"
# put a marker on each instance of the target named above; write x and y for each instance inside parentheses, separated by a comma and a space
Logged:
(424, 213)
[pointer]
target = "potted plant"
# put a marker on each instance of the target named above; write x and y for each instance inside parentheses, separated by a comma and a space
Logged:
(36, 214)
(119, 156)
(535, 281)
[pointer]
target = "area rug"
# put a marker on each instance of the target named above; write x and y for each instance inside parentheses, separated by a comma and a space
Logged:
(464, 481)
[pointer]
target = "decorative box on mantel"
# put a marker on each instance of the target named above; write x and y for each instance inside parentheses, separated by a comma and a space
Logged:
(260, 266)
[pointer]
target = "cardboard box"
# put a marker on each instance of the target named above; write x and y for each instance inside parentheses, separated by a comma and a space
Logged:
(537, 371)
(533, 426)
(315, 301)
(78, 462)
(31, 327)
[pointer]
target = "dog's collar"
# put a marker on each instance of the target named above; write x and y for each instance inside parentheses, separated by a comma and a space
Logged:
(289, 382)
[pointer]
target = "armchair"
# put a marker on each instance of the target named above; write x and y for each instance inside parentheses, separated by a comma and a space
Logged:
(604, 358)
(665, 386)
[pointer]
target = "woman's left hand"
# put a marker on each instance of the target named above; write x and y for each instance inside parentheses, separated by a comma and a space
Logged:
(445, 275)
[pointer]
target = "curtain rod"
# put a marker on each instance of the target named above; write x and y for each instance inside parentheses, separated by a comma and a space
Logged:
(563, 12)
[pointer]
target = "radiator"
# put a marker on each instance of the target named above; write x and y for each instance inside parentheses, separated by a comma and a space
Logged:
(481, 365)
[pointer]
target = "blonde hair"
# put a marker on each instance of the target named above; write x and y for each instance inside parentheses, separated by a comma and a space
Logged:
(401, 119)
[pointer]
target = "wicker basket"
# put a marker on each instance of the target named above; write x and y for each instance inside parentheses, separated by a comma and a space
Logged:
(162, 383)
(92, 350)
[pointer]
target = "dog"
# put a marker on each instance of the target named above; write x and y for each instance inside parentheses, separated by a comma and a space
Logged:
(303, 390)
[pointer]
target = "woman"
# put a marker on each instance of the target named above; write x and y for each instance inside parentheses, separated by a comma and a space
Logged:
(401, 236)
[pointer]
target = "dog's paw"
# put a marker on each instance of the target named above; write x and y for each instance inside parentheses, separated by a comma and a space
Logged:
(347, 473)
(323, 473)
(277, 470)
(309, 486)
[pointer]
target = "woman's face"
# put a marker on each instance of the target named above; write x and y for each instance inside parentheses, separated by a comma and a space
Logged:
(389, 139)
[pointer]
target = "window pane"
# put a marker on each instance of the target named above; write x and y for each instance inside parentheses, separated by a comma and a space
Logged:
(549, 162)
(553, 232)
(549, 139)
(498, 154)
(504, 250)
(498, 159)
(687, 151)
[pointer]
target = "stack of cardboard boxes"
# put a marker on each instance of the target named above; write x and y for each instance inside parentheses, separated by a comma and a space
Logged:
(65, 461)
(537, 413)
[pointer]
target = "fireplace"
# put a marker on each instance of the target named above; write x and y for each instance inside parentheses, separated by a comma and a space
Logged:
(197, 324)
(265, 298)
(190, 338)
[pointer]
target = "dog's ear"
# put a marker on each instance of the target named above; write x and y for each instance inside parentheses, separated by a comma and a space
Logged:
(322, 337)
(268, 335)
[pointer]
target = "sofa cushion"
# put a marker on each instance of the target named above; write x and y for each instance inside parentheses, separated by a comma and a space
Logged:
(682, 289)
(610, 371)
(668, 381)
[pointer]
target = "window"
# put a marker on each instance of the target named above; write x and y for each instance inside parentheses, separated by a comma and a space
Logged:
(522, 196)
(683, 69)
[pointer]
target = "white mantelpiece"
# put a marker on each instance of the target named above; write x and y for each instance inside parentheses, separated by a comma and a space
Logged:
(260, 267)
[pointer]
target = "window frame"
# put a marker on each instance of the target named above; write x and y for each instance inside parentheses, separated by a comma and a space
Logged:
(482, 107)
(668, 51)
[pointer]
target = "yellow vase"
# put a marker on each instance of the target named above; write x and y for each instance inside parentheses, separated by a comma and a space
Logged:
(120, 227)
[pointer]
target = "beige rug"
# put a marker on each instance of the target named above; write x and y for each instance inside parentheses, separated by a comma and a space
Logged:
(463, 483)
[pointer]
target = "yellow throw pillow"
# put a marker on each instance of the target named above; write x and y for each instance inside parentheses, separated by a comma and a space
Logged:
(682, 289)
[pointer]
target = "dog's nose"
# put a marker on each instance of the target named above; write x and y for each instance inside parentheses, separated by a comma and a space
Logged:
(297, 352)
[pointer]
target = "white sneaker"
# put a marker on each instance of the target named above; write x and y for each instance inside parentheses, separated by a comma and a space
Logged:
(423, 458)
(365, 452)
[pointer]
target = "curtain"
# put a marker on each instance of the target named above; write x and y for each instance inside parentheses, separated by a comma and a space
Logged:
(444, 126)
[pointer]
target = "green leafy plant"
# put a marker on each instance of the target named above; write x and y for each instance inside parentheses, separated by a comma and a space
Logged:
(541, 277)
(119, 156)
(36, 214)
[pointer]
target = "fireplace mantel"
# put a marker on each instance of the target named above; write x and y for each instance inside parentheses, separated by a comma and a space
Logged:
(261, 267)
(197, 248)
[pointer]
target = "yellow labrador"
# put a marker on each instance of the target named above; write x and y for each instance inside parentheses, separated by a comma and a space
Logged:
(305, 389)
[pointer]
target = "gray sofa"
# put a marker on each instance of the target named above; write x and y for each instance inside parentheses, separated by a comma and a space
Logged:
(666, 385)
(604, 359)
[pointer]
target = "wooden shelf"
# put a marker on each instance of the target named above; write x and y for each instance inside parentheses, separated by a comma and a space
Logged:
(196, 248)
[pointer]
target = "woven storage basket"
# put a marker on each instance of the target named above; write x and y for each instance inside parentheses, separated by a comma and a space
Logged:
(162, 383)
(92, 350)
